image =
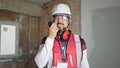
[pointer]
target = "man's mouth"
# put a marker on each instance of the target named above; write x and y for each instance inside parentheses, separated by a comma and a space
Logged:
(60, 24)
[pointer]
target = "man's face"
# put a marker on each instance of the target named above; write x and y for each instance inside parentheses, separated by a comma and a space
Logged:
(61, 20)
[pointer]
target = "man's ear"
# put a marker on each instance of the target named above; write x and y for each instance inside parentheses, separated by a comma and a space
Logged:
(69, 21)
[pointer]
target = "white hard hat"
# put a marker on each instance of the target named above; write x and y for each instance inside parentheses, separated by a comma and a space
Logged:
(61, 8)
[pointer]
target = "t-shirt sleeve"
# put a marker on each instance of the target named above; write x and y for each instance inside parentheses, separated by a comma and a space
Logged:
(83, 44)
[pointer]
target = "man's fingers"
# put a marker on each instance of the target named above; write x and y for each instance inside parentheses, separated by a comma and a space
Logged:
(53, 25)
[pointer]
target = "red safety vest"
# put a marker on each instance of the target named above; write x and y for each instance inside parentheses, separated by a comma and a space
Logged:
(71, 55)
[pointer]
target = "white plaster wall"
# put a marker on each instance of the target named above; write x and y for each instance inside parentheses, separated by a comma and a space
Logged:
(87, 8)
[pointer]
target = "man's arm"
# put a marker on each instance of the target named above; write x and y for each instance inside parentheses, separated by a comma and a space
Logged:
(42, 56)
(84, 62)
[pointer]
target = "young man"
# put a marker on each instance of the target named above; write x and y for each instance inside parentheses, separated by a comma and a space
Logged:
(61, 48)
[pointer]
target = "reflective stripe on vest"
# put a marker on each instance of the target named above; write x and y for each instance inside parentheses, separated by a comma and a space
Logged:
(78, 52)
(78, 49)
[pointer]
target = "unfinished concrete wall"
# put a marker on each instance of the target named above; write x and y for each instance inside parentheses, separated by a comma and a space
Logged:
(21, 6)
(28, 39)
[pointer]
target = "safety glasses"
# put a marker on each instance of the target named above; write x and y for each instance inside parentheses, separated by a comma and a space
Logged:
(62, 16)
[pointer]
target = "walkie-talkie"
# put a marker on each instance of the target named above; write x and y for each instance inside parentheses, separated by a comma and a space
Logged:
(49, 23)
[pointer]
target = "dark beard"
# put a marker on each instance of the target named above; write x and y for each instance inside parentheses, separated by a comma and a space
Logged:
(60, 31)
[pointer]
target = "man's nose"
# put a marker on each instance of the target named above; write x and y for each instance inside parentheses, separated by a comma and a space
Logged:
(59, 20)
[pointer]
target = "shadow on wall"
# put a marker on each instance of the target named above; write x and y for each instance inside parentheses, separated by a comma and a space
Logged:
(106, 25)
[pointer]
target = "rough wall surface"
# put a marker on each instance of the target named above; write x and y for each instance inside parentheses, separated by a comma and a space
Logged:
(21, 7)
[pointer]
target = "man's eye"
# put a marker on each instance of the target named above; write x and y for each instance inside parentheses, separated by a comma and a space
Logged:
(64, 17)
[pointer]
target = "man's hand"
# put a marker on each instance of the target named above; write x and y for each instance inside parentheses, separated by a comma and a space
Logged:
(53, 31)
